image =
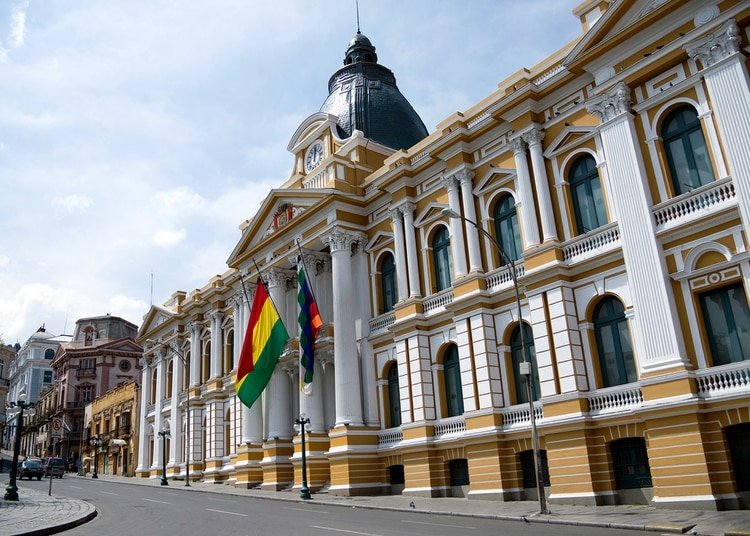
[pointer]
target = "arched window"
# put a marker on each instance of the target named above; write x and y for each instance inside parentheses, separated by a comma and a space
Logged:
(452, 373)
(49, 353)
(170, 376)
(685, 147)
(388, 282)
(517, 357)
(586, 190)
(153, 386)
(613, 343)
(441, 254)
(228, 433)
(206, 364)
(394, 397)
(727, 319)
(185, 375)
(506, 228)
(229, 352)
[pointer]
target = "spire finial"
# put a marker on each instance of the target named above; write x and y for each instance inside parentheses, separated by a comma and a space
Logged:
(357, 4)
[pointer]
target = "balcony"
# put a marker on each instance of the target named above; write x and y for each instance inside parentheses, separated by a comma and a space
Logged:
(380, 323)
(450, 427)
(591, 244)
(86, 373)
(724, 381)
(437, 302)
(696, 204)
(618, 399)
(390, 436)
(502, 278)
(518, 416)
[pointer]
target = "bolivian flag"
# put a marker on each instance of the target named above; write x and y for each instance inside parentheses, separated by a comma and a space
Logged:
(265, 340)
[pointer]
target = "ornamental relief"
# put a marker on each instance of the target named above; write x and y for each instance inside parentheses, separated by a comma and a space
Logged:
(284, 214)
(714, 278)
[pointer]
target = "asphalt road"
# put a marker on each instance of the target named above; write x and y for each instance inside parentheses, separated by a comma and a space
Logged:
(130, 510)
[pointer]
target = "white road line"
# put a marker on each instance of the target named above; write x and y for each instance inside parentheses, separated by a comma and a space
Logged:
(108, 493)
(221, 500)
(438, 524)
(76, 487)
(154, 500)
(342, 530)
(306, 510)
(225, 512)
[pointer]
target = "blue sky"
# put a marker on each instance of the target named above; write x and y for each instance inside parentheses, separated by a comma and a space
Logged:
(136, 136)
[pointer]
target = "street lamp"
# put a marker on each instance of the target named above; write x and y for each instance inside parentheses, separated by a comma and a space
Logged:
(186, 364)
(304, 492)
(524, 367)
(164, 434)
(95, 441)
(11, 491)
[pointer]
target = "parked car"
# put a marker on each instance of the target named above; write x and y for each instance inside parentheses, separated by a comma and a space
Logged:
(54, 467)
(30, 468)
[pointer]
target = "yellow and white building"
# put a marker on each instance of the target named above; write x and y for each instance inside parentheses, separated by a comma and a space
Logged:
(615, 174)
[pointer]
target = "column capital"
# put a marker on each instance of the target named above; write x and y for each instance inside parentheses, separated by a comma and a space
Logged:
(534, 136)
(610, 105)
(464, 176)
(311, 259)
(450, 183)
(408, 208)
(217, 315)
(714, 47)
(339, 240)
(517, 145)
(395, 214)
(278, 278)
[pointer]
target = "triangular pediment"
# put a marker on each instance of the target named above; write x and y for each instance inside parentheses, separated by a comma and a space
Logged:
(155, 316)
(432, 212)
(311, 129)
(280, 210)
(378, 241)
(567, 139)
(495, 177)
(621, 20)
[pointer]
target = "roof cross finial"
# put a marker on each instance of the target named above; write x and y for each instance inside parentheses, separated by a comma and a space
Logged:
(357, 4)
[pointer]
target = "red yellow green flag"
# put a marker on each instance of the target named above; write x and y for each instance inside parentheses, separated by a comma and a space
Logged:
(265, 340)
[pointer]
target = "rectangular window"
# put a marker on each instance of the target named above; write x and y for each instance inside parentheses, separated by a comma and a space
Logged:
(88, 364)
(529, 471)
(86, 393)
(47, 376)
(630, 463)
(459, 470)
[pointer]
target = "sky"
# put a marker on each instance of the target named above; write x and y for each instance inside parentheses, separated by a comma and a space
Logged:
(136, 136)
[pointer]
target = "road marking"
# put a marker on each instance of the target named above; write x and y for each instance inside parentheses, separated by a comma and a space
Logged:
(154, 500)
(108, 493)
(347, 531)
(438, 524)
(306, 510)
(225, 512)
(171, 493)
(76, 487)
(221, 500)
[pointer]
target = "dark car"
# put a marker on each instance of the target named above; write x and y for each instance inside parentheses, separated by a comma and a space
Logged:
(31, 468)
(54, 467)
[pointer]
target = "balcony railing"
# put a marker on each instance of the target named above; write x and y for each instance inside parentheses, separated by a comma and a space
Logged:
(725, 380)
(449, 427)
(502, 277)
(592, 244)
(518, 416)
(381, 323)
(86, 373)
(437, 301)
(615, 399)
(695, 204)
(390, 436)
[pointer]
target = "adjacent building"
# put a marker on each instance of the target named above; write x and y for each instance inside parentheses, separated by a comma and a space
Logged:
(610, 181)
(101, 357)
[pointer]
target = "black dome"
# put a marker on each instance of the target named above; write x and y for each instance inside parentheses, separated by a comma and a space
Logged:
(363, 96)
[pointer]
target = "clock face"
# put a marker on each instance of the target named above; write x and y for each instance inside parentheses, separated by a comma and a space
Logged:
(314, 156)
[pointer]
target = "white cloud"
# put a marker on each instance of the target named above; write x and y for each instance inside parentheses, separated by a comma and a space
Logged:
(18, 25)
(4, 261)
(72, 203)
(168, 238)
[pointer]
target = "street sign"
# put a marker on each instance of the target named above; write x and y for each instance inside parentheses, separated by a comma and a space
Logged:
(57, 427)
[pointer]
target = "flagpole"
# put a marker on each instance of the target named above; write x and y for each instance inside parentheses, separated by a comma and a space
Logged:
(268, 293)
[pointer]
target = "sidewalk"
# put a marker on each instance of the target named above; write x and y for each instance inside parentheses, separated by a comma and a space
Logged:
(36, 513)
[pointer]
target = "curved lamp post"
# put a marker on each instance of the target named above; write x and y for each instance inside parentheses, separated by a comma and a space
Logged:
(525, 367)
(11, 491)
(186, 365)
(304, 491)
(95, 442)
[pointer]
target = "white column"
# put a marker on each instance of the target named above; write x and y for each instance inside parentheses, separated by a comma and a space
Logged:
(175, 445)
(398, 238)
(279, 396)
(534, 139)
(728, 85)
(653, 302)
(465, 177)
(158, 421)
(239, 321)
(526, 211)
(411, 249)
(217, 345)
(195, 353)
(457, 228)
(347, 379)
(145, 397)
